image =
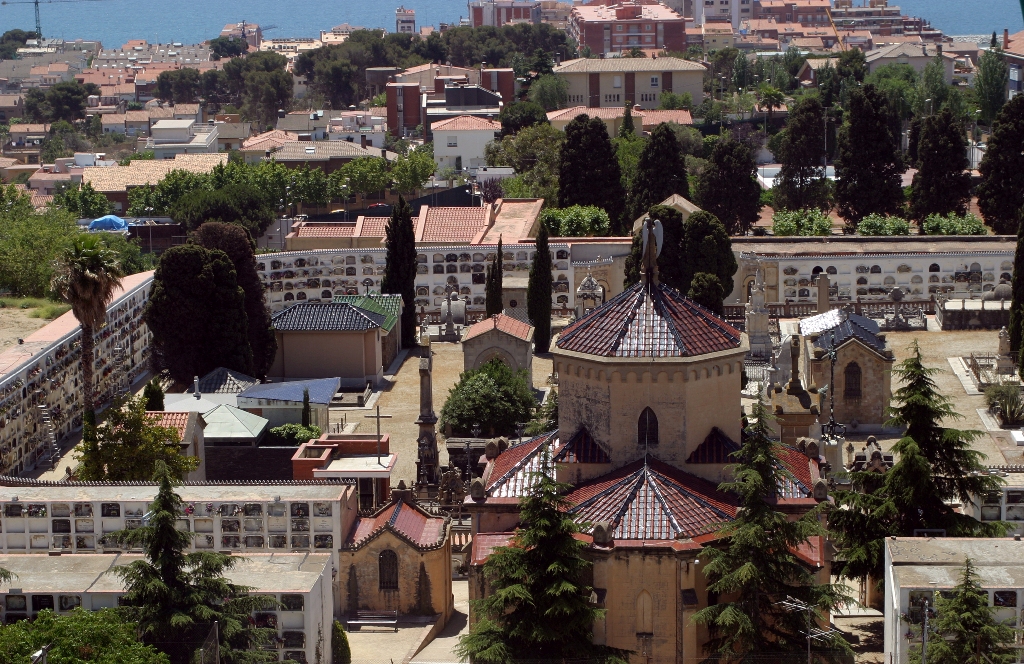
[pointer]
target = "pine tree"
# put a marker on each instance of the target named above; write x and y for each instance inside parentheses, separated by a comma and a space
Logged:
(539, 606)
(755, 565)
(660, 172)
(153, 393)
(966, 627)
(400, 271)
(627, 129)
(538, 293)
(1001, 192)
(1016, 325)
(175, 596)
(588, 171)
(869, 164)
(727, 187)
(990, 84)
(492, 288)
(941, 184)
(801, 182)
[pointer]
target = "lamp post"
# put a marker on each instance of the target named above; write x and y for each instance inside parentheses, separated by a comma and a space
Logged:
(832, 432)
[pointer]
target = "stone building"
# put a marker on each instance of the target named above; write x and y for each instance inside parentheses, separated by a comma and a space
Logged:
(502, 337)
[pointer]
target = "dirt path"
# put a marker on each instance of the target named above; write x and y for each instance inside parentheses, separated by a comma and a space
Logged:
(15, 324)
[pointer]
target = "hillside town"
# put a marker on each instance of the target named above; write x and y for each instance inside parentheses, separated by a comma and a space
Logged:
(616, 332)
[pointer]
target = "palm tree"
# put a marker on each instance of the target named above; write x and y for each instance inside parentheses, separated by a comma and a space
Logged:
(6, 576)
(88, 273)
(771, 99)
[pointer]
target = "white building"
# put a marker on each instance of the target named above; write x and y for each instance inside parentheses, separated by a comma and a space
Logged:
(1006, 504)
(918, 568)
(300, 582)
(460, 142)
(733, 11)
(362, 127)
(168, 138)
(405, 21)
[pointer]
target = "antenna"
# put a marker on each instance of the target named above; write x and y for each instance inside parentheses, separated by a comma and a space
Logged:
(813, 633)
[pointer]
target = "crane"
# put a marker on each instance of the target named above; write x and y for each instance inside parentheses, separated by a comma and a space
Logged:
(39, 25)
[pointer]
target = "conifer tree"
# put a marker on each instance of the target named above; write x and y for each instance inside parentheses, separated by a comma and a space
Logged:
(153, 393)
(306, 411)
(966, 627)
(492, 288)
(1001, 192)
(539, 607)
(671, 260)
(176, 596)
(538, 293)
(801, 182)
(400, 271)
(660, 172)
(869, 164)
(755, 565)
(1016, 325)
(588, 171)
(626, 129)
(728, 188)
(941, 184)
(706, 290)
(707, 248)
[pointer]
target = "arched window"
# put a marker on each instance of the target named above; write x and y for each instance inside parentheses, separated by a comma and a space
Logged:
(817, 270)
(852, 375)
(831, 269)
(934, 267)
(862, 281)
(647, 428)
(644, 613)
(387, 570)
(876, 269)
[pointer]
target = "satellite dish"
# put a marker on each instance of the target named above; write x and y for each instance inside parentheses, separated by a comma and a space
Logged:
(659, 234)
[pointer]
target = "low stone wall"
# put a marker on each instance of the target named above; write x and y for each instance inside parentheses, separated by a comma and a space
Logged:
(949, 317)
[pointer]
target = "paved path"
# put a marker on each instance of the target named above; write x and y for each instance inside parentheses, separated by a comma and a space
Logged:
(440, 649)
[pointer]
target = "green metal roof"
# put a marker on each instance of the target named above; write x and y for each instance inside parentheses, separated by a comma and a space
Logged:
(387, 305)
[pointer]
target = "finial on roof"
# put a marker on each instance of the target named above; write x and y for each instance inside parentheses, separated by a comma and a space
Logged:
(652, 235)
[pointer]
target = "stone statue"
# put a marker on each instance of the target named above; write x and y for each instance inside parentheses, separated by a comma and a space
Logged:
(652, 248)
(1004, 360)
(451, 490)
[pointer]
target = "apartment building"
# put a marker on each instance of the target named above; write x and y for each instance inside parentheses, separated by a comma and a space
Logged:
(610, 29)
(730, 11)
(405, 21)
(876, 16)
(169, 138)
(611, 82)
(804, 12)
(497, 13)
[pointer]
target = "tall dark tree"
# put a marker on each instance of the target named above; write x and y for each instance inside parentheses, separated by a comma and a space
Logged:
(1016, 325)
(400, 271)
(240, 204)
(589, 171)
(660, 172)
(707, 248)
(492, 287)
(706, 290)
(1001, 192)
(176, 596)
(671, 269)
(914, 140)
(196, 313)
(234, 241)
(942, 184)
(627, 128)
(801, 182)
(869, 164)
(539, 607)
(990, 84)
(538, 293)
(520, 115)
(727, 187)
(153, 393)
(755, 566)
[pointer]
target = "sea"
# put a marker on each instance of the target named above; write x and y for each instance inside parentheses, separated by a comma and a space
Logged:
(114, 22)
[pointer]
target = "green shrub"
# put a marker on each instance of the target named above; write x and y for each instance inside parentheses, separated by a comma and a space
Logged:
(801, 222)
(339, 641)
(493, 397)
(293, 434)
(1007, 400)
(767, 198)
(576, 221)
(877, 224)
(954, 224)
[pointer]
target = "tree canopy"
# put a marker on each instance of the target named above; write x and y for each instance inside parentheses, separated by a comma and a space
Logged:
(519, 115)
(1001, 192)
(588, 170)
(727, 187)
(801, 182)
(941, 184)
(660, 173)
(493, 397)
(80, 636)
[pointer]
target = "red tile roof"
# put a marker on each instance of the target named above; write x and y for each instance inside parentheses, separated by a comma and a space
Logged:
(329, 229)
(451, 224)
(647, 118)
(171, 420)
(512, 471)
(799, 481)
(485, 543)
(466, 123)
(655, 322)
(371, 226)
(502, 323)
(407, 521)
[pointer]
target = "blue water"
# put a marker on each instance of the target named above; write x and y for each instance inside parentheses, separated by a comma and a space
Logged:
(189, 21)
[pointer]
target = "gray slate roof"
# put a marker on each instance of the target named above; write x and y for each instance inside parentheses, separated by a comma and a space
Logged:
(327, 317)
(838, 326)
(224, 381)
(321, 390)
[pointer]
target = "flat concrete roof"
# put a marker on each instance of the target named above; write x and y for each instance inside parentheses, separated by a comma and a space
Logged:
(217, 493)
(1001, 551)
(90, 572)
(173, 124)
(359, 465)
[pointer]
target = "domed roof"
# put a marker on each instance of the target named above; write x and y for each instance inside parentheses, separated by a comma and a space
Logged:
(649, 321)
(1001, 292)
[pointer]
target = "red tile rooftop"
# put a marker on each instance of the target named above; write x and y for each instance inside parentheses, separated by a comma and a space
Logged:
(466, 123)
(413, 524)
(325, 230)
(171, 420)
(451, 224)
(503, 323)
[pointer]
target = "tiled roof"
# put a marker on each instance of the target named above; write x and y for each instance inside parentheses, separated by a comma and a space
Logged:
(224, 381)
(647, 118)
(484, 545)
(227, 422)
(326, 317)
(325, 229)
(838, 326)
(797, 471)
(616, 65)
(502, 323)
(656, 117)
(512, 474)
(113, 118)
(451, 224)
(136, 116)
(29, 128)
(234, 129)
(466, 123)
(654, 322)
(411, 523)
(325, 150)
(270, 140)
(372, 226)
(321, 390)
(716, 448)
(141, 172)
(389, 306)
(172, 420)
(652, 501)
(582, 448)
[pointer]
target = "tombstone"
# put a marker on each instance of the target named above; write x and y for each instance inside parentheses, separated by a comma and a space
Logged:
(822, 284)
(1004, 361)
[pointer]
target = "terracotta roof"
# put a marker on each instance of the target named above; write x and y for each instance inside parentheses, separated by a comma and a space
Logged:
(270, 140)
(326, 317)
(582, 448)
(172, 420)
(655, 322)
(372, 226)
(466, 123)
(653, 118)
(647, 118)
(411, 523)
(451, 224)
(148, 171)
(113, 118)
(28, 128)
(716, 448)
(799, 480)
(502, 323)
(615, 65)
(326, 150)
(652, 501)
(484, 545)
(136, 116)
(325, 229)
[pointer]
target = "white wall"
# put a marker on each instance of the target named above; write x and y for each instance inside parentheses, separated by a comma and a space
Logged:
(470, 146)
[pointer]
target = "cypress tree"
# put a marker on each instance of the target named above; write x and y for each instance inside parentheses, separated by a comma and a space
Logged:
(755, 565)
(801, 181)
(706, 290)
(492, 289)
(706, 247)
(538, 293)
(869, 164)
(236, 242)
(627, 130)
(588, 171)
(941, 184)
(671, 268)
(400, 271)
(728, 188)
(305, 407)
(1016, 326)
(660, 172)
(540, 605)
(153, 393)
(1001, 192)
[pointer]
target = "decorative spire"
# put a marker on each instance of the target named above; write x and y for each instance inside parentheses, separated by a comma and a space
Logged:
(651, 249)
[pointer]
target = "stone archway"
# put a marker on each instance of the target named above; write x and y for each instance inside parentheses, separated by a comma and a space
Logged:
(495, 352)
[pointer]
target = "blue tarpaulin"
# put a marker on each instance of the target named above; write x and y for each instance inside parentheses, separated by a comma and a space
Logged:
(109, 222)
